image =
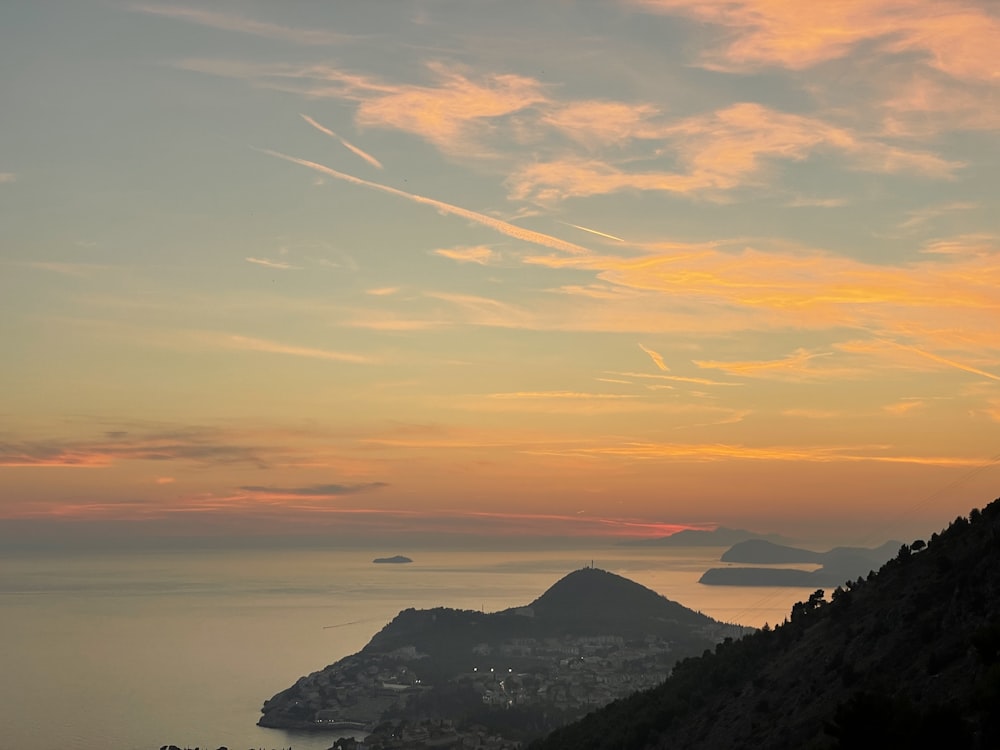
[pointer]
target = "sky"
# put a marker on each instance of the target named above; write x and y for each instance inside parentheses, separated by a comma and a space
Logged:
(503, 269)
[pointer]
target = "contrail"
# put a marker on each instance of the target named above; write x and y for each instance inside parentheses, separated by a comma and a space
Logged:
(592, 231)
(943, 360)
(344, 624)
(519, 233)
(349, 146)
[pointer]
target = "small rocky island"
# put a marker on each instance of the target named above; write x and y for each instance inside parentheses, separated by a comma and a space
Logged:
(511, 676)
(394, 560)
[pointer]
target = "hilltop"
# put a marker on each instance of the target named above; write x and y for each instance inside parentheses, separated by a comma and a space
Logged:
(906, 657)
(590, 638)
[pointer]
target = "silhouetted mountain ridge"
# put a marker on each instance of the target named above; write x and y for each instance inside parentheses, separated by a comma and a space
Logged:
(908, 657)
(721, 536)
(597, 597)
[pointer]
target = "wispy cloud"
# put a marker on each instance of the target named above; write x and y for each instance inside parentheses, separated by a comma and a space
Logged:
(343, 141)
(699, 452)
(794, 366)
(656, 357)
(243, 25)
(511, 230)
(902, 407)
(956, 38)
(476, 310)
(199, 446)
(383, 291)
(812, 413)
(247, 343)
(593, 123)
(480, 254)
(452, 113)
(279, 265)
(966, 244)
(8, 177)
(939, 298)
(812, 202)
(921, 216)
(318, 491)
(559, 395)
(722, 151)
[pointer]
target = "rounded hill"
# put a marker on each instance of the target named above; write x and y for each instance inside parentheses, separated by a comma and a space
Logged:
(596, 596)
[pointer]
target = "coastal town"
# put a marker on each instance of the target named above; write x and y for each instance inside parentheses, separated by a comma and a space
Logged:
(443, 677)
(562, 676)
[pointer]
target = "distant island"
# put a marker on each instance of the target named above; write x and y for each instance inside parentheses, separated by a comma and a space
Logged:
(836, 565)
(718, 537)
(394, 560)
(908, 657)
(444, 675)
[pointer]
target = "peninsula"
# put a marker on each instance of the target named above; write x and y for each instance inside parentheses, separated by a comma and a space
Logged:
(591, 638)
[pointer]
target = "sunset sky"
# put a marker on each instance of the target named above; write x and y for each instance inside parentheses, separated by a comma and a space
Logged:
(508, 268)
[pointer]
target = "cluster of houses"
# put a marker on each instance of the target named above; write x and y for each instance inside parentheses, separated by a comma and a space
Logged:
(567, 673)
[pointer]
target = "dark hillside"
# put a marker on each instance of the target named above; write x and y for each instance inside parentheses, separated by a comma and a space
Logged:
(593, 636)
(595, 599)
(909, 657)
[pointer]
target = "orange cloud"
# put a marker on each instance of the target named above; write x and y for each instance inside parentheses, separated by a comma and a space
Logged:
(558, 395)
(928, 104)
(721, 151)
(721, 452)
(449, 114)
(957, 38)
(902, 407)
(656, 357)
(795, 366)
(602, 123)
(479, 254)
(810, 287)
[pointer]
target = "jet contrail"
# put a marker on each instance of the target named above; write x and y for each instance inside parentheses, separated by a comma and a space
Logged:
(519, 233)
(592, 231)
(349, 146)
(943, 360)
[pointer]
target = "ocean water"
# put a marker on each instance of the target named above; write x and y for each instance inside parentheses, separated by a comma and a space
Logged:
(134, 650)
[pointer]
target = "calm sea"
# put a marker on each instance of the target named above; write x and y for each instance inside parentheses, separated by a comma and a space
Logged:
(137, 650)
